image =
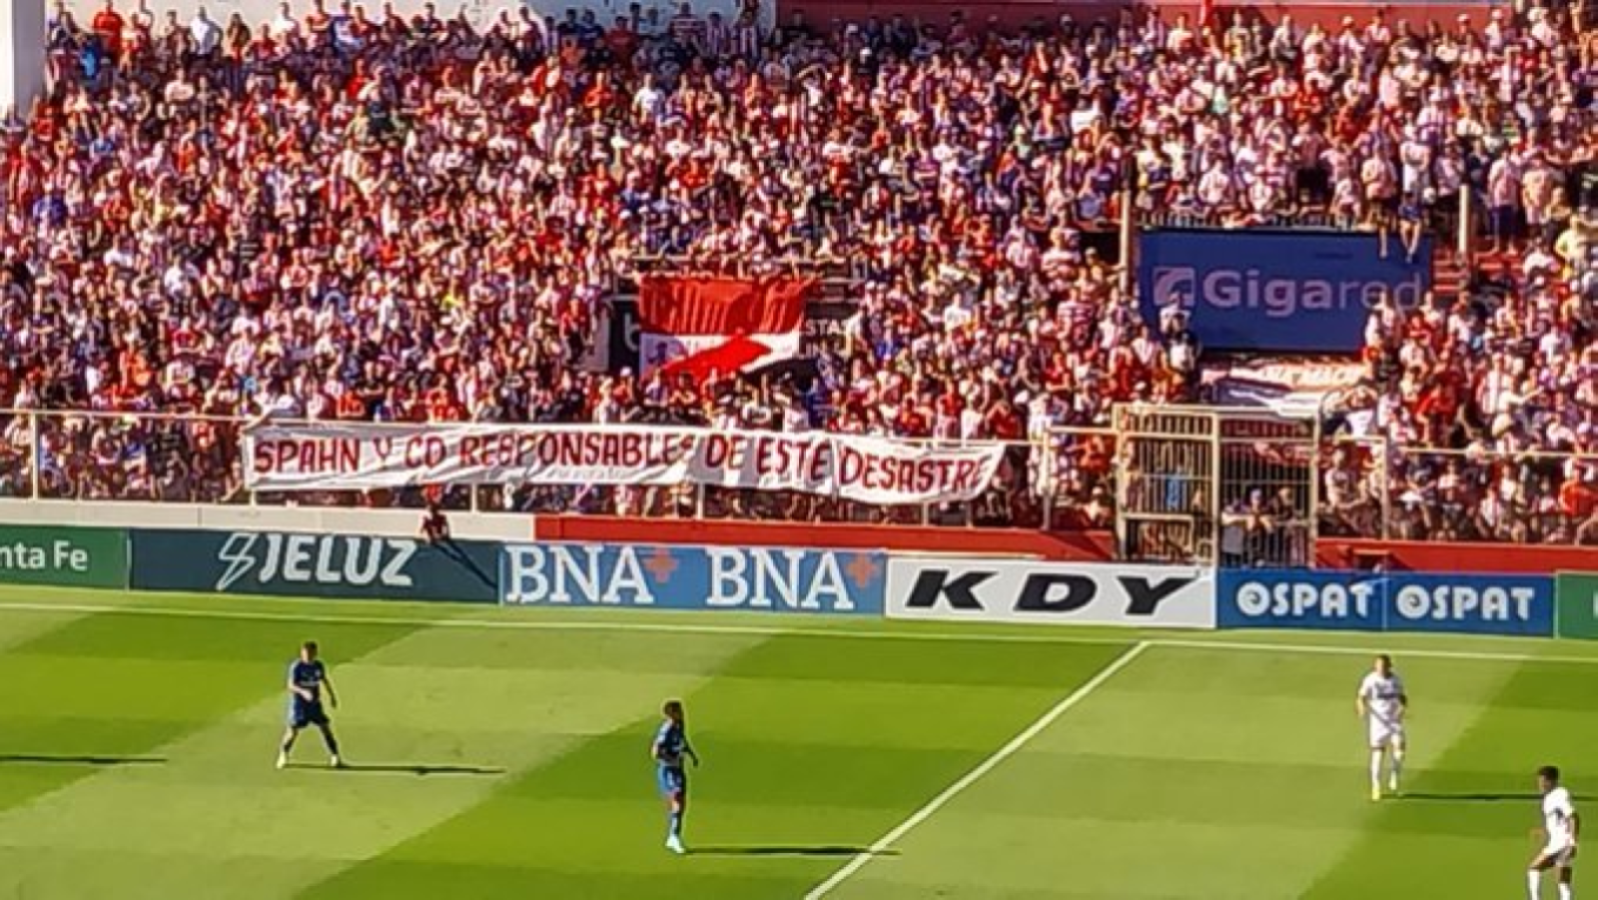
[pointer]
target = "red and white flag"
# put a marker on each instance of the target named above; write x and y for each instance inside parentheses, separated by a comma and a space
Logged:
(702, 326)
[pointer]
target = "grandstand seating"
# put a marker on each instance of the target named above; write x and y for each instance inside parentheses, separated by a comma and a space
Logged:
(332, 216)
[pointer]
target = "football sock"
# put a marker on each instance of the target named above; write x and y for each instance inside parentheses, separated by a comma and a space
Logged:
(1376, 768)
(1533, 882)
(675, 824)
(1565, 893)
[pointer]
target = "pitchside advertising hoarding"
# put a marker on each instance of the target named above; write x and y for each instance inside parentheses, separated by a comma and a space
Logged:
(793, 580)
(1367, 601)
(1277, 291)
(1577, 598)
(323, 565)
(63, 556)
(979, 590)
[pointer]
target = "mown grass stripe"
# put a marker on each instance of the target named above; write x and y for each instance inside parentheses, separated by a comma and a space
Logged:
(992, 762)
(415, 736)
(844, 629)
(81, 715)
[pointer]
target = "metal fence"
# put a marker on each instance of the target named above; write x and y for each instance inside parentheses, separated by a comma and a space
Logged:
(1211, 485)
(1371, 488)
(102, 456)
(1188, 484)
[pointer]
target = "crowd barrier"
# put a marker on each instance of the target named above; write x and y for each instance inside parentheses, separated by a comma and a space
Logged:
(797, 580)
(1171, 482)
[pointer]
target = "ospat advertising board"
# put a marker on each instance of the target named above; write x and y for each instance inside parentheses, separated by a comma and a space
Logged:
(781, 580)
(1301, 598)
(1368, 601)
(1276, 291)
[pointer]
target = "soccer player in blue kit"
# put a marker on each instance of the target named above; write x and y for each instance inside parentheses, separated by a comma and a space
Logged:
(668, 751)
(307, 678)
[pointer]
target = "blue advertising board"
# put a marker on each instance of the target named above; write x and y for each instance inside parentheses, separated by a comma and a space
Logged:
(318, 565)
(1277, 291)
(775, 579)
(1473, 604)
(1365, 601)
(1287, 598)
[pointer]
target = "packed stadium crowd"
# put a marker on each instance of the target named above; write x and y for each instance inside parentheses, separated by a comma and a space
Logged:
(341, 215)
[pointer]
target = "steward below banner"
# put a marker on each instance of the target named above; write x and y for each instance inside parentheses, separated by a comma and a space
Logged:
(1065, 594)
(313, 565)
(63, 556)
(363, 456)
(677, 577)
(1370, 601)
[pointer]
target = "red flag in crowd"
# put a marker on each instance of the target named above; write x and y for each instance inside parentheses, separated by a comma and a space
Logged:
(700, 326)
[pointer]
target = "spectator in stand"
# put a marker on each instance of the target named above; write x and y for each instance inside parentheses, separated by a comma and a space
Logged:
(391, 219)
(1491, 410)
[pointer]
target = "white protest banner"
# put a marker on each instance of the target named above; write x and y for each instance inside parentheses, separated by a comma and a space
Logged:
(363, 455)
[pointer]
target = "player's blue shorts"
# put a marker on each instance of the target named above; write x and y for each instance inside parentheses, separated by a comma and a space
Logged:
(302, 714)
(671, 780)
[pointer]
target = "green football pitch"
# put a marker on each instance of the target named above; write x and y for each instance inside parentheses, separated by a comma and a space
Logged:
(504, 753)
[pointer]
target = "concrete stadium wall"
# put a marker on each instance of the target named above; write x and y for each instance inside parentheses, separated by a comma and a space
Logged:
(1540, 559)
(1086, 546)
(1077, 547)
(386, 522)
(1089, 546)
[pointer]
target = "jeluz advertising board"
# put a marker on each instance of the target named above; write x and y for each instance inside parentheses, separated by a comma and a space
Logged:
(313, 565)
(768, 579)
(994, 590)
(1369, 601)
(1276, 291)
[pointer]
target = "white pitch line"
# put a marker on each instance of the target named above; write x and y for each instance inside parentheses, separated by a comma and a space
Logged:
(987, 765)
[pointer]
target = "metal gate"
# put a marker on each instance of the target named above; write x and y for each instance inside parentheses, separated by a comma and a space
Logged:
(1214, 486)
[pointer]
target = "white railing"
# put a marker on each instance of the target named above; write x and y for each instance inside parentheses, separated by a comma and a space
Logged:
(49, 455)
(1072, 479)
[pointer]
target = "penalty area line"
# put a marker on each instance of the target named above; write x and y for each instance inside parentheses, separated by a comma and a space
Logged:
(937, 803)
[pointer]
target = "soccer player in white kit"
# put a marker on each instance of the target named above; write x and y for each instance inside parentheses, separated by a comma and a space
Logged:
(1381, 702)
(1560, 826)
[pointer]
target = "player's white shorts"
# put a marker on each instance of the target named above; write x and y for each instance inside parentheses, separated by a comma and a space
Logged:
(1561, 856)
(1386, 734)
